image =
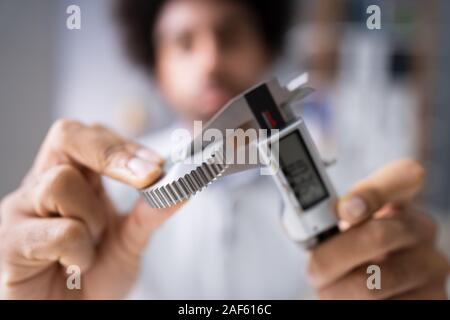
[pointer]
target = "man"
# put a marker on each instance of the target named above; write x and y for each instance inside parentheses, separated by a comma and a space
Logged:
(224, 243)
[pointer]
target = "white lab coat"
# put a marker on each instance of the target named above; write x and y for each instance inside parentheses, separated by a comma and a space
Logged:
(225, 243)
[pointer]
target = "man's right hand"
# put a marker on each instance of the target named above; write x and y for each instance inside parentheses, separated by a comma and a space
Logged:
(61, 216)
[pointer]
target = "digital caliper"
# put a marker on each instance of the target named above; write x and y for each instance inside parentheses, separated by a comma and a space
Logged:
(297, 168)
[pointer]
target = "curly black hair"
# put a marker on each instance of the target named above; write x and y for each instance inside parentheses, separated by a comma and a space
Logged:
(138, 17)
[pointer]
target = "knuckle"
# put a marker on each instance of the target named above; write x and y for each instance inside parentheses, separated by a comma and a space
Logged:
(57, 182)
(8, 242)
(394, 211)
(28, 249)
(403, 230)
(111, 148)
(415, 169)
(62, 128)
(96, 126)
(9, 205)
(29, 241)
(375, 199)
(71, 232)
(388, 234)
(63, 176)
(63, 125)
(379, 234)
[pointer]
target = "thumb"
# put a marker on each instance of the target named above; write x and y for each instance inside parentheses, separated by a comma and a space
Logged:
(398, 181)
(141, 222)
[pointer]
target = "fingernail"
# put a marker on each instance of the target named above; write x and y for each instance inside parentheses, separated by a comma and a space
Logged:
(141, 167)
(149, 156)
(344, 225)
(354, 207)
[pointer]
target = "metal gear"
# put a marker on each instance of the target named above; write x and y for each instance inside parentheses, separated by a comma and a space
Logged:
(184, 180)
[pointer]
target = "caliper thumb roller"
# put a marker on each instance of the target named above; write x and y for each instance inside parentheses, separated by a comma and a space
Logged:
(297, 169)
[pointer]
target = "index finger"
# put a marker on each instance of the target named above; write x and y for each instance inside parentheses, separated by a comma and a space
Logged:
(100, 150)
(396, 182)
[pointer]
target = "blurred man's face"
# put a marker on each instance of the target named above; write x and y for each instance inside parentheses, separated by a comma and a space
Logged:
(207, 52)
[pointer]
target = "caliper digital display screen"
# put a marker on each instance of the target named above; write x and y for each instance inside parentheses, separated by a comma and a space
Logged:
(300, 171)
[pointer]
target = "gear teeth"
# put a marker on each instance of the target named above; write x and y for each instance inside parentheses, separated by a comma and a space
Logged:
(188, 185)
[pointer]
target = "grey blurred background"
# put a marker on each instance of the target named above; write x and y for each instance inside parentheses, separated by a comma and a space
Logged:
(382, 94)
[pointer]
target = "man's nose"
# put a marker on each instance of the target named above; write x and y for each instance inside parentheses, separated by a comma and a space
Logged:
(211, 55)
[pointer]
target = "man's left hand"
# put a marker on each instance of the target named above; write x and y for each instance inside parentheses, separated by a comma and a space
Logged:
(381, 227)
